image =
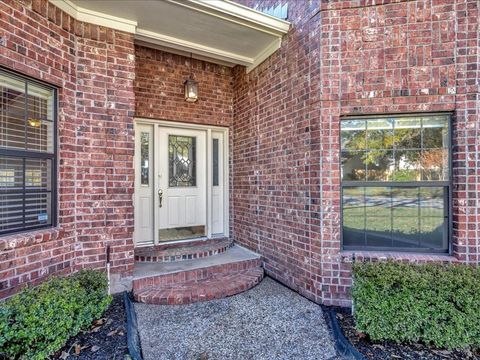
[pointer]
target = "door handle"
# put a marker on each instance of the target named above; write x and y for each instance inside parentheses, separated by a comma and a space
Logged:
(160, 197)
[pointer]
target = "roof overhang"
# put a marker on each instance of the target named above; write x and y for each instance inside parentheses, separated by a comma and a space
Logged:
(220, 31)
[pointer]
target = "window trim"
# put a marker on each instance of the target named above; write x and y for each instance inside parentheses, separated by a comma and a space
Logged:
(26, 154)
(447, 184)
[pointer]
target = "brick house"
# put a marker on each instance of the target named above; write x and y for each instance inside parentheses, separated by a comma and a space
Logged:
(350, 129)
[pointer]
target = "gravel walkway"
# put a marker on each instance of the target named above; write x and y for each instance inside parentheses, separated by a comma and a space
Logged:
(268, 322)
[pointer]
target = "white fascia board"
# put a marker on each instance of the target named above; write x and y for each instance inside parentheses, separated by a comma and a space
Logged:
(94, 17)
(239, 14)
(269, 50)
(169, 49)
(180, 44)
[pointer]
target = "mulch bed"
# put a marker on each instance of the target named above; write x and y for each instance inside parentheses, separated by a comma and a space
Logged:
(391, 350)
(105, 339)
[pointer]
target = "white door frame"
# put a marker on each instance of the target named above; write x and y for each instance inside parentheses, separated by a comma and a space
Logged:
(226, 192)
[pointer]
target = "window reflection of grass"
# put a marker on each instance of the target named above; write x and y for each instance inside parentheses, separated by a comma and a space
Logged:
(380, 224)
(405, 220)
(354, 222)
(402, 218)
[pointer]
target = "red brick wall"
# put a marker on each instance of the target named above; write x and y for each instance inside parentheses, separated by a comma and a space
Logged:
(339, 58)
(94, 69)
(350, 57)
(275, 156)
(159, 89)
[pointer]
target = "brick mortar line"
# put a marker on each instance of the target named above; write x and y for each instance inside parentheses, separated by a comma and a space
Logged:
(322, 9)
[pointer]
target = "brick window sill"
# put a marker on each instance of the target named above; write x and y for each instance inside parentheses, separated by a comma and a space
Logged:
(20, 240)
(347, 257)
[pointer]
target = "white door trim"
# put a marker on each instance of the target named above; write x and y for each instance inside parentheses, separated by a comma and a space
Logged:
(226, 193)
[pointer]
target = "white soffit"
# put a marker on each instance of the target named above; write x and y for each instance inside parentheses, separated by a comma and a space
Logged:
(217, 30)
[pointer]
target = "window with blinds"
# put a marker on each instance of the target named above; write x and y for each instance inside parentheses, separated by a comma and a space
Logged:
(27, 154)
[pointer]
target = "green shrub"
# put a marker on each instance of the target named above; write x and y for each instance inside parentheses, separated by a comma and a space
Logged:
(39, 320)
(430, 303)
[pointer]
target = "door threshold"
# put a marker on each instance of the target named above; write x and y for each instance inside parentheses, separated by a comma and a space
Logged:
(183, 241)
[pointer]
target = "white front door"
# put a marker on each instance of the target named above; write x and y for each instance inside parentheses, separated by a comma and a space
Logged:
(181, 182)
(181, 191)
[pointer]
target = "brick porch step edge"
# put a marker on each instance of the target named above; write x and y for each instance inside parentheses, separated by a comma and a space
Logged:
(194, 274)
(217, 286)
(196, 250)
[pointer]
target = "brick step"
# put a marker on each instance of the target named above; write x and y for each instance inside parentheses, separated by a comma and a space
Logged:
(182, 251)
(213, 286)
(176, 280)
(201, 273)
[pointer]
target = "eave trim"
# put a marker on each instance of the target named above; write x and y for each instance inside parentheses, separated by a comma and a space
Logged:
(180, 44)
(223, 9)
(94, 17)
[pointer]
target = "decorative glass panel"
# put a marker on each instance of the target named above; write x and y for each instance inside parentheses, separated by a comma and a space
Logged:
(145, 158)
(182, 162)
(215, 162)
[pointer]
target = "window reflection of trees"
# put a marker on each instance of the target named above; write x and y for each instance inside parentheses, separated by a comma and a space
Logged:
(394, 150)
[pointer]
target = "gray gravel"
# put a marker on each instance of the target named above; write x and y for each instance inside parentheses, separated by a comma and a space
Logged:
(267, 322)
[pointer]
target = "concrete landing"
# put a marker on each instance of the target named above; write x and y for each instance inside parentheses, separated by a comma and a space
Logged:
(234, 254)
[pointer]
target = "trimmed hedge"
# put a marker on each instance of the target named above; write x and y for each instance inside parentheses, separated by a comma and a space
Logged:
(431, 303)
(39, 320)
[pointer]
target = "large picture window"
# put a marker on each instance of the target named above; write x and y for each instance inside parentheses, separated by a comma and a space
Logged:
(27, 154)
(396, 183)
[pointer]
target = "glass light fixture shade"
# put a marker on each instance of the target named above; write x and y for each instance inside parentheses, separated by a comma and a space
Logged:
(36, 123)
(191, 90)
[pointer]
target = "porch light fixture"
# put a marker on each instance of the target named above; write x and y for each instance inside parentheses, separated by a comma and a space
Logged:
(191, 86)
(191, 90)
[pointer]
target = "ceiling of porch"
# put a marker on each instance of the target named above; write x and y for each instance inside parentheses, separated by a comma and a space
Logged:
(215, 30)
